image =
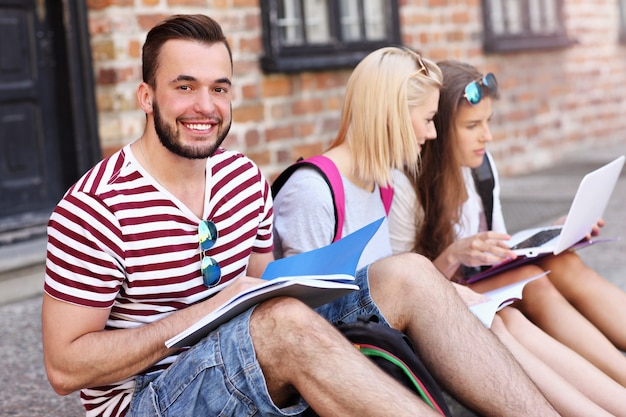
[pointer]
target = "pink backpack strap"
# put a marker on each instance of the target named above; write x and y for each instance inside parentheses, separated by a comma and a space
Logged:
(328, 170)
(333, 178)
(386, 194)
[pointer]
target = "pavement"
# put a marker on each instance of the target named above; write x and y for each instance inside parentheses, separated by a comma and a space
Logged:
(528, 200)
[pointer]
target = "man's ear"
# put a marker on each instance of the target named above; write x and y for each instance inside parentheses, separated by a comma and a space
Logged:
(144, 97)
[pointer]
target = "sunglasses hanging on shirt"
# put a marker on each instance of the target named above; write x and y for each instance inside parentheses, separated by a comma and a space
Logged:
(210, 269)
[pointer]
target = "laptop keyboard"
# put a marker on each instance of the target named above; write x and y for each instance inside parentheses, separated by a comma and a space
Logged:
(537, 239)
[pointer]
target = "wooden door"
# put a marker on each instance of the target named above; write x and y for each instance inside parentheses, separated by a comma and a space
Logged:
(39, 139)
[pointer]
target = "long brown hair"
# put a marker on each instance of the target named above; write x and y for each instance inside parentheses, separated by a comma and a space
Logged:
(440, 186)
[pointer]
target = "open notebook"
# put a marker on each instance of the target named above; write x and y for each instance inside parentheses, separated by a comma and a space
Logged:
(587, 208)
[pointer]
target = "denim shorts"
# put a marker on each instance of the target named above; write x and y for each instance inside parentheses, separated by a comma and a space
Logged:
(357, 303)
(220, 376)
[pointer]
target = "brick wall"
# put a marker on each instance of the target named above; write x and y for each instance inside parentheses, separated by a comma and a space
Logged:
(552, 102)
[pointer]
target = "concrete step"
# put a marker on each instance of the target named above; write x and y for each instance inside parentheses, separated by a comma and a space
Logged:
(22, 267)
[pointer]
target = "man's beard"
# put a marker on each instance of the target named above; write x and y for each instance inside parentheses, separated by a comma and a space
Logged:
(168, 137)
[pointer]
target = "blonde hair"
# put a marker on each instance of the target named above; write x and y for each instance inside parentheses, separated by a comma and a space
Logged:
(376, 119)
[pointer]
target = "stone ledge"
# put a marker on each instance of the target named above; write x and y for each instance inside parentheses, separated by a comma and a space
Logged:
(22, 254)
(22, 268)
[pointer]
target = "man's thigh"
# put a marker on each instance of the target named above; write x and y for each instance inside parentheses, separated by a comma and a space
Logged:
(219, 376)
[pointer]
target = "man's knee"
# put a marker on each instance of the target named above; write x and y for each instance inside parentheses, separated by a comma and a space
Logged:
(406, 266)
(405, 286)
(283, 311)
(286, 320)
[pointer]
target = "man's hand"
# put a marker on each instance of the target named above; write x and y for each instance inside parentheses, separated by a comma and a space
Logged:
(79, 352)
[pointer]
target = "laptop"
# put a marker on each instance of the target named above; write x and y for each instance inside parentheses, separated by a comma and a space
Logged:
(590, 201)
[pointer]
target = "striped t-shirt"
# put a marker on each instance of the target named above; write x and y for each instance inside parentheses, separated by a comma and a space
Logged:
(119, 240)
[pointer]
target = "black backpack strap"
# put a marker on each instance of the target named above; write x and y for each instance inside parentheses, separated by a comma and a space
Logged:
(331, 176)
(485, 182)
(284, 176)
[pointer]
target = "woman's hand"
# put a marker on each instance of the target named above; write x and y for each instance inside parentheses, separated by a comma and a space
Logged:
(485, 248)
(595, 230)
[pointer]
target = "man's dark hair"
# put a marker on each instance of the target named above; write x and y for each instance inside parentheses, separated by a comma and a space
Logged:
(196, 27)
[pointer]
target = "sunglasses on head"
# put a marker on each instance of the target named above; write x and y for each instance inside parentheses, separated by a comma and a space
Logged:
(474, 92)
(422, 67)
(418, 58)
(210, 269)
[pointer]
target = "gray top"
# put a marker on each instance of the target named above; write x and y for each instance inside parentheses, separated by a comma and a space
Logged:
(304, 217)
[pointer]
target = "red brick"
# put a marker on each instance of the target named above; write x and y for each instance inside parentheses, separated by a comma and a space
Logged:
(196, 3)
(246, 3)
(109, 150)
(252, 138)
(148, 21)
(260, 158)
(134, 49)
(307, 150)
(310, 106)
(251, 113)
(279, 132)
(250, 92)
(276, 86)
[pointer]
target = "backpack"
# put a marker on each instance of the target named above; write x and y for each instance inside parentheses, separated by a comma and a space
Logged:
(393, 352)
(389, 348)
(328, 170)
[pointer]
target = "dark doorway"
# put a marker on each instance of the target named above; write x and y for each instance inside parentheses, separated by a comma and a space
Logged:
(48, 129)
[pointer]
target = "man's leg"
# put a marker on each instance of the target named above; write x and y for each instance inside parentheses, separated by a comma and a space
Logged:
(281, 348)
(462, 354)
(300, 352)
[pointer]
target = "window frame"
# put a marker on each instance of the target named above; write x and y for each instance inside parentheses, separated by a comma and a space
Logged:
(336, 54)
(527, 40)
(622, 21)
